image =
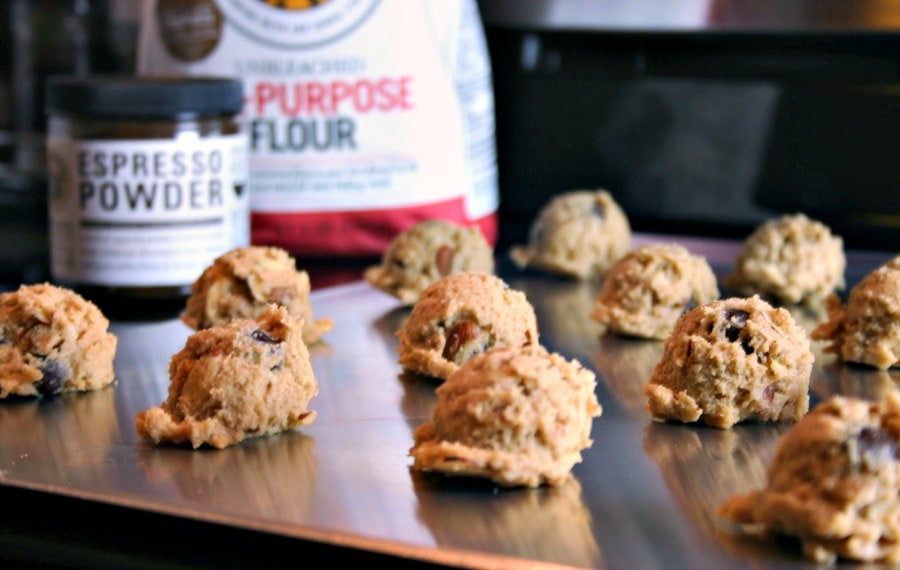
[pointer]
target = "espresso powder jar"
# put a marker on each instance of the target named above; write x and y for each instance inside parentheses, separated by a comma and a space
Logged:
(147, 186)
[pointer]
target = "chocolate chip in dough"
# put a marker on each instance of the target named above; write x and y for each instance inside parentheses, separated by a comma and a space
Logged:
(736, 319)
(260, 335)
(53, 379)
(874, 446)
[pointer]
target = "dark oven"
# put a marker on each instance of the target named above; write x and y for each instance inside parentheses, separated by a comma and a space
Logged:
(701, 117)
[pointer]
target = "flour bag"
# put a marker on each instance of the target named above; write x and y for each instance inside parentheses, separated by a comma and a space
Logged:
(363, 116)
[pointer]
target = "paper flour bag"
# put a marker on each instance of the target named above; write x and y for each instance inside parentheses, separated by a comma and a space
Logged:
(364, 116)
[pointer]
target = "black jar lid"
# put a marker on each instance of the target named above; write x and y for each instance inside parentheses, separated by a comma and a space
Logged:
(143, 97)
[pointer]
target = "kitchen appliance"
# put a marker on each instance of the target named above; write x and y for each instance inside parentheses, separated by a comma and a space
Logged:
(702, 117)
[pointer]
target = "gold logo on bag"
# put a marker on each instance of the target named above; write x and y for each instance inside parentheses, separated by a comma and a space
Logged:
(190, 29)
(294, 4)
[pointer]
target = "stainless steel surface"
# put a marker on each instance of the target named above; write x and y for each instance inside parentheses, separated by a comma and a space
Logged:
(695, 15)
(644, 496)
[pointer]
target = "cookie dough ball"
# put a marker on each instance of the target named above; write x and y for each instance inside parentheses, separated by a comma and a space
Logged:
(867, 329)
(732, 360)
(834, 484)
(460, 316)
(578, 234)
(519, 416)
(241, 283)
(426, 252)
(650, 287)
(791, 260)
(52, 340)
(246, 378)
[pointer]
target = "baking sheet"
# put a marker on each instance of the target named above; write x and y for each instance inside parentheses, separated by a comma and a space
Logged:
(644, 496)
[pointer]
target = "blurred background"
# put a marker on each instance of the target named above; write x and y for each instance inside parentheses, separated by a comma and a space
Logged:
(40, 38)
(702, 117)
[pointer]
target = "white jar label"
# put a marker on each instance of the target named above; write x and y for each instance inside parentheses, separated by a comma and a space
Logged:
(145, 213)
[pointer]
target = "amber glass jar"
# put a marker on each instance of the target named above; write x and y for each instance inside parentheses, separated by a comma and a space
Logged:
(148, 185)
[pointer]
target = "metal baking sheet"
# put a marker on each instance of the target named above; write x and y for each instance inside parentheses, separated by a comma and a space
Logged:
(644, 496)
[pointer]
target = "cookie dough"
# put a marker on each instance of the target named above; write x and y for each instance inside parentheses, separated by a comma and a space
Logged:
(460, 316)
(426, 252)
(867, 329)
(519, 416)
(732, 360)
(52, 340)
(833, 484)
(791, 260)
(650, 287)
(578, 234)
(241, 283)
(246, 378)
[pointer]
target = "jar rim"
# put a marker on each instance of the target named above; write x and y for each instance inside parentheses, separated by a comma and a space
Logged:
(143, 97)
